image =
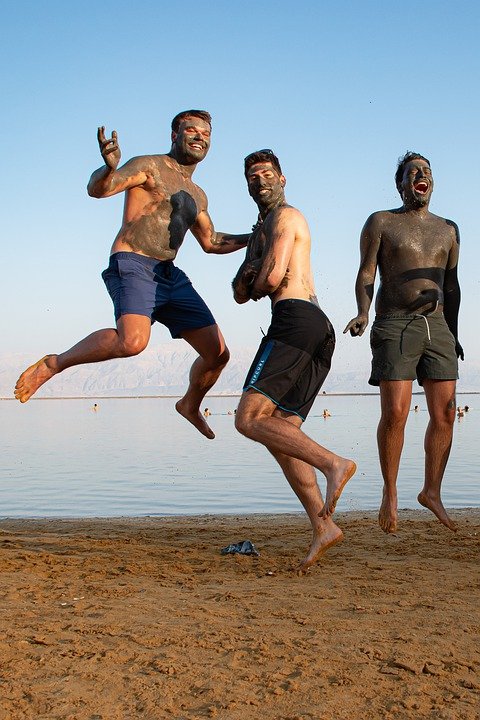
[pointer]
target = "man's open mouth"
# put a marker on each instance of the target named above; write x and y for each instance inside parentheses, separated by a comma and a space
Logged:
(421, 187)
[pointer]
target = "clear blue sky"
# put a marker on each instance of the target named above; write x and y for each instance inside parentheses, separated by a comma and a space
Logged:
(338, 90)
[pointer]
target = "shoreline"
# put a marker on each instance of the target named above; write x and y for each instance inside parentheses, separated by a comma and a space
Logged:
(220, 395)
(405, 513)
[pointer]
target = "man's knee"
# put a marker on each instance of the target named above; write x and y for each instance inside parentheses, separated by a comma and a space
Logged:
(394, 416)
(442, 403)
(133, 334)
(244, 423)
(134, 344)
(224, 357)
(217, 359)
(443, 417)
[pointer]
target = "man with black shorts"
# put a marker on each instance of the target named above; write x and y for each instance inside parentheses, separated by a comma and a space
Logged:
(294, 357)
(161, 204)
(415, 330)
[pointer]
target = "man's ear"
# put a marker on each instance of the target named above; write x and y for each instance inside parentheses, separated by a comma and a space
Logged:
(283, 180)
(174, 136)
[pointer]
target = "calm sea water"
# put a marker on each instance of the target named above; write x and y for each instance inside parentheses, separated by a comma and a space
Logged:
(137, 457)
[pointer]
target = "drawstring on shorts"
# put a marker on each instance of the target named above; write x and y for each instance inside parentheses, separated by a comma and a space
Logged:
(426, 321)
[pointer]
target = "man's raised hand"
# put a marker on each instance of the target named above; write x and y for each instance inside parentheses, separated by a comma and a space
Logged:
(109, 148)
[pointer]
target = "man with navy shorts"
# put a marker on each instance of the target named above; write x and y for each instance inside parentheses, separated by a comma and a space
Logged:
(294, 357)
(161, 204)
(414, 334)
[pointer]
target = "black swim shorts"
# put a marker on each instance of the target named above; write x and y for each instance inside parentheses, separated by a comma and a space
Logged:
(142, 285)
(405, 347)
(294, 357)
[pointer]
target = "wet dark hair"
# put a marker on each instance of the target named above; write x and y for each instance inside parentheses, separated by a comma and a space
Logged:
(260, 156)
(402, 161)
(202, 114)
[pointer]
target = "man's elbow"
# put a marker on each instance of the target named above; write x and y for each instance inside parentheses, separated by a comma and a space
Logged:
(239, 296)
(209, 248)
(208, 242)
(240, 299)
(93, 191)
(272, 282)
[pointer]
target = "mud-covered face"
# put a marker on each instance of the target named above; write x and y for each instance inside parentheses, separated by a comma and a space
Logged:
(417, 183)
(265, 185)
(191, 141)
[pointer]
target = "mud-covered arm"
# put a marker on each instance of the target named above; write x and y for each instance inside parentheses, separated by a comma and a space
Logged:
(107, 180)
(242, 283)
(364, 285)
(212, 241)
(280, 231)
(451, 291)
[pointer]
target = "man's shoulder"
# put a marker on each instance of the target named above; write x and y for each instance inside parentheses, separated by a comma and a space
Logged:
(158, 161)
(384, 216)
(145, 161)
(444, 221)
(288, 213)
(285, 218)
(449, 227)
(381, 220)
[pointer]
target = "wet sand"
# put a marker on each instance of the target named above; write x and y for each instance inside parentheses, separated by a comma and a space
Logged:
(144, 618)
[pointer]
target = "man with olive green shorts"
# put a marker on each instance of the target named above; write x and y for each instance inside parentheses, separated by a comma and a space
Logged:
(415, 330)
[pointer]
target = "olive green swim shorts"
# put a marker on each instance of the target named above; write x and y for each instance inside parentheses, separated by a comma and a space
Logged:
(406, 347)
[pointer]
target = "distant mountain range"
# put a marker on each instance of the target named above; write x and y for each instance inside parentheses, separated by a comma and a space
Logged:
(164, 369)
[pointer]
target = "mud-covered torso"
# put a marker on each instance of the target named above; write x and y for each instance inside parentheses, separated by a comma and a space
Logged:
(412, 260)
(158, 214)
(298, 279)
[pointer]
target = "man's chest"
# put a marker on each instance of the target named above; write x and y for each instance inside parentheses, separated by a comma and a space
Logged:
(421, 244)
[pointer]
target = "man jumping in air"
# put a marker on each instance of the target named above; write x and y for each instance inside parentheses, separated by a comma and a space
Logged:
(294, 357)
(161, 204)
(415, 330)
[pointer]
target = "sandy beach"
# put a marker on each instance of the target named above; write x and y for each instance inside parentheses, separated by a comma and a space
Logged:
(144, 618)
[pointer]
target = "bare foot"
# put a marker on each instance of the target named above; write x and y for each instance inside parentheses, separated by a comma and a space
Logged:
(33, 378)
(387, 515)
(324, 538)
(193, 415)
(341, 473)
(436, 506)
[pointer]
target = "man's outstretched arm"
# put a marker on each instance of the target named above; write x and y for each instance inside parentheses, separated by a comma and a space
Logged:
(212, 241)
(364, 285)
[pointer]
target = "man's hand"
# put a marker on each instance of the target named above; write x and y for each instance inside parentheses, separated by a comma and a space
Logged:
(459, 350)
(257, 294)
(109, 148)
(357, 326)
(243, 281)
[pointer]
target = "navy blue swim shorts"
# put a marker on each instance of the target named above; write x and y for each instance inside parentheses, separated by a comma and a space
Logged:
(294, 357)
(142, 285)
